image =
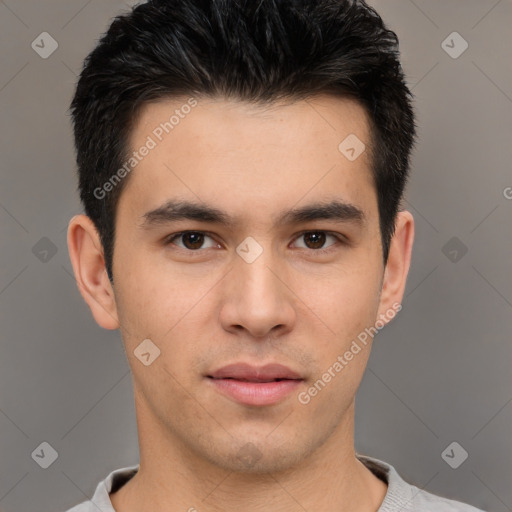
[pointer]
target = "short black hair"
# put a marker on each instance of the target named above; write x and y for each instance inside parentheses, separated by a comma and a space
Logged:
(259, 51)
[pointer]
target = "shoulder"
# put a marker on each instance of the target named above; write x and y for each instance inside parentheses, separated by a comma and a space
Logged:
(404, 497)
(425, 501)
(86, 506)
(100, 502)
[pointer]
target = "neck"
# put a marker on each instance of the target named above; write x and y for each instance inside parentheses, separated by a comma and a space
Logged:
(172, 478)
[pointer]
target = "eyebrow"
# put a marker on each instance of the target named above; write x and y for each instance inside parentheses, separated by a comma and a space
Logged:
(176, 210)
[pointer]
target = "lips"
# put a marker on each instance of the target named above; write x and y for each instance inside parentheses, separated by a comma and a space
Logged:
(255, 386)
(248, 373)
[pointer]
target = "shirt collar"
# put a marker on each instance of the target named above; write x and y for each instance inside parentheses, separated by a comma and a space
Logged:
(398, 496)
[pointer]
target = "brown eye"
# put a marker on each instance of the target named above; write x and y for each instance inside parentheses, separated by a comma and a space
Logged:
(193, 240)
(314, 240)
(190, 240)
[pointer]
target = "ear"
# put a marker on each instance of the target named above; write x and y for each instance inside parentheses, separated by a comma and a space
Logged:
(86, 253)
(397, 266)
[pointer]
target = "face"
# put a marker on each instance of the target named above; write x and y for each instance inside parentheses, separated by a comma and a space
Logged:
(281, 264)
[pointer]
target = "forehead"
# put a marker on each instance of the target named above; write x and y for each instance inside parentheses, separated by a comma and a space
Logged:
(240, 155)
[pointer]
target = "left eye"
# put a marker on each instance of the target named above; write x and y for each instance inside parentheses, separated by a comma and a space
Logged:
(316, 239)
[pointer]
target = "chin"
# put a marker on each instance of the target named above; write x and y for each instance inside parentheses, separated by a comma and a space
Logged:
(260, 457)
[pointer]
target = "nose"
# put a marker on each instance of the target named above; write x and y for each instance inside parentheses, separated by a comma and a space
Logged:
(256, 298)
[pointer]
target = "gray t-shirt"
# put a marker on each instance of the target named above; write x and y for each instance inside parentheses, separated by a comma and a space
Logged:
(400, 496)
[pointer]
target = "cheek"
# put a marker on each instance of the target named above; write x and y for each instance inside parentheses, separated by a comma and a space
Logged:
(348, 306)
(341, 304)
(341, 350)
(151, 296)
(166, 307)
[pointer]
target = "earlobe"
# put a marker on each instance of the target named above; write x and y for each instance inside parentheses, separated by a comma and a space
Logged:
(397, 266)
(86, 254)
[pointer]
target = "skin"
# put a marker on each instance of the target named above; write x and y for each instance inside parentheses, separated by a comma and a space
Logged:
(207, 307)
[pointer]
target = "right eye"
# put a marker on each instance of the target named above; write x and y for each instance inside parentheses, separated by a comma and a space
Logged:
(191, 240)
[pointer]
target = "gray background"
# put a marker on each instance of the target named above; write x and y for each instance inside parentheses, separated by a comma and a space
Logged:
(439, 373)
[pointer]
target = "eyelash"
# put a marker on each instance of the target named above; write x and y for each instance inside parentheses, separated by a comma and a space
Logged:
(341, 240)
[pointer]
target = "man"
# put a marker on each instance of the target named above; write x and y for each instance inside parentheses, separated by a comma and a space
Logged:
(241, 164)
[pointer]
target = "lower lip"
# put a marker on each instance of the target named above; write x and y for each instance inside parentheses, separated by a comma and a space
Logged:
(255, 393)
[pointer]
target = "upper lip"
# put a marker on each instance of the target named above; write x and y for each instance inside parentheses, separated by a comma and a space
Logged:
(244, 371)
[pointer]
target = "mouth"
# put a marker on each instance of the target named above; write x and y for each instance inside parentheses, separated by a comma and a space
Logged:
(251, 380)
(246, 372)
(256, 386)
